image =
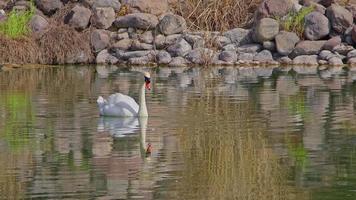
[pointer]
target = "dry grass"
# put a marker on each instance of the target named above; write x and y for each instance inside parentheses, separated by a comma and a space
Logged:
(20, 51)
(216, 15)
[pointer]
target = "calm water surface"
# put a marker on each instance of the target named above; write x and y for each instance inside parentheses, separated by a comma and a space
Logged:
(220, 133)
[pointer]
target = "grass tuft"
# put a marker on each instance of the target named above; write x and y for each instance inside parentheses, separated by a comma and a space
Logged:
(16, 24)
(294, 22)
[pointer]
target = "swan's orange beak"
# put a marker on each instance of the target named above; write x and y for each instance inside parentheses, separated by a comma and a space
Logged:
(148, 83)
(149, 149)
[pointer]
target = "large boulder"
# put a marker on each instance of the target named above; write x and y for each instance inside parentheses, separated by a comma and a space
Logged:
(103, 17)
(316, 26)
(124, 44)
(178, 62)
(266, 29)
(100, 39)
(38, 24)
(200, 55)
(275, 8)
(228, 56)
(306, 60)
(115, 4)
(104, 57)
(181, 48)
(137, 20)
(332, 43)
(249, 48)
(285, 42)
(49, 7)
(78, 17)
(155, 7)
(308, 47)
(172, 24)
(163, 57)
(238, 36)
(340, 18)
(263, 56)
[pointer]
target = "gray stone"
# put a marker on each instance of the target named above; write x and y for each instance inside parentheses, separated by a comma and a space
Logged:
(349, 40)
(155, 7)
(132, 54)
(332, 43)
(308, 47)
(285, 42)
(351, 54)
(285, 60)
(144, 60)
(351, 61)
(200, 55)
(49, 7)
(221, 41)
(322, 62)
(239, 36)
(143, 21)
(249, 48)
(100, 39)
(178, 62)
(228, 56)
(266, 29)
(172, 24)
(306, 60)
(317, 26)
(163, 57)
(137, 45)
(340, 18)
(335, 61)
(275, 8)
(269, 45)
(103, 17)
(115, 4)
(196, 41)
(230, 47)
(343, 49)
(263, 56)
(38, 24)
(121, 36)
(78, 17)
(246, 56)
(180, 48)
(123, 44)
(325, 55)
(147, 37)
(104, 57)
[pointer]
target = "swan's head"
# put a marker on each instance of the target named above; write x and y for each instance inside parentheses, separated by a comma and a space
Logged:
(147, 80)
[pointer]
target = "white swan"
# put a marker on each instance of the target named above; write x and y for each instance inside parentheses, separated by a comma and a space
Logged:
(119, 105)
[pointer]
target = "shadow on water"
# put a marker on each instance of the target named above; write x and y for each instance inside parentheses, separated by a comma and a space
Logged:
(219, 133)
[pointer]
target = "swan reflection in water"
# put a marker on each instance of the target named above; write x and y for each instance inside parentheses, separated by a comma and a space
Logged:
(126, 127)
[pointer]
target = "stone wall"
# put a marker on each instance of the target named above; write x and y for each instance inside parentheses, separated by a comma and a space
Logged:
(141, 32)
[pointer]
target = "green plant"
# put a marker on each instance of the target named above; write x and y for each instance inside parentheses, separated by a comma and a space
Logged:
(294, 22)
(16, 25)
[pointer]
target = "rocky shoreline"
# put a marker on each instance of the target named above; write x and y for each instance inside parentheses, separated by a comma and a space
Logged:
(152, 35)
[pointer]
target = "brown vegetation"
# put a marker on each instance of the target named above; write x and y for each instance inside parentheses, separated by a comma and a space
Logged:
(20, 50)
(216, 15)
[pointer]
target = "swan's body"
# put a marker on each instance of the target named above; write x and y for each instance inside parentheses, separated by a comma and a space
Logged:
(119, 105)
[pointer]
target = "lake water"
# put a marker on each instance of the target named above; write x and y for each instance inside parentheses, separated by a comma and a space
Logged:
(219, 133)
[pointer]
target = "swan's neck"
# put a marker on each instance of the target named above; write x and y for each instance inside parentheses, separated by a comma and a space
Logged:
(142, 112)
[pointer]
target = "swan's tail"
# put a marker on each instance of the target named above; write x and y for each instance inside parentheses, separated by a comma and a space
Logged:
(101, 101)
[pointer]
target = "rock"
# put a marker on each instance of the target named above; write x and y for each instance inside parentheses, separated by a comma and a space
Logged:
(200, 56)
(332, 43)
(78, 17)
(163, 57)
(180, 48)
(306, 60)
(317, 7)
(49, 7)
(146, 37)
(326, 3)
(178, 62)
(335, 61)
(340, 18)
(352, 9)
(343, 49)
(353, 33)
(221, 41)
(137, 45)
(275, 8)
(351, 54)
(269, 45)
(246, 56)
(79, 57)
(266, 29)
(349, 40)
(249, 48)
(228, 56)
(196, 41)
(103, 17)
(100, 39)
(285, 42)
(239, 36)
(263, 56)
(104, 57)
(162, 42)
(317, 26)
(124, 44)
(307, 47)
(172, 24)
(144, 60)
(322, 62)
(137, 20)
(121, 36)
(132, 54)
(155, 7)
(38, 24)
(230, 47)
(285, 60)
(325, 55)
(115, 4)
